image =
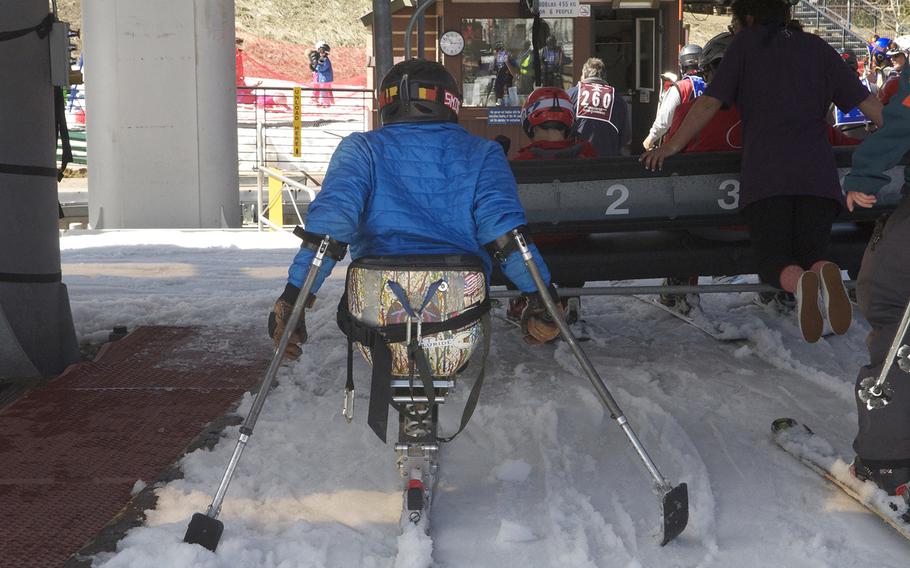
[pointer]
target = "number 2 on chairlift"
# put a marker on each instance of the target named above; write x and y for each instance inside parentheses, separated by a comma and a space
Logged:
(614, 208)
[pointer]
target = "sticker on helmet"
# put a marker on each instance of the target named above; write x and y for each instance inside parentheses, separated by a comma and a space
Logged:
(451, 101)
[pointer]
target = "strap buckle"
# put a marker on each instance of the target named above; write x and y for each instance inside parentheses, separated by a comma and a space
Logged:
(419, 321)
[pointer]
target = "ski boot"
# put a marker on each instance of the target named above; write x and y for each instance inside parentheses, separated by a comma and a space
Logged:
(892, 478)
(682, 303)
(516, 306)
(571, 308)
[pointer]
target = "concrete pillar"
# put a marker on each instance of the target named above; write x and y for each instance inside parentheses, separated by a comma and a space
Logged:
(161, 118)
(36, 327)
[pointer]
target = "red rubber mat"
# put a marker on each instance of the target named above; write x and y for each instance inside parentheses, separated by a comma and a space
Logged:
(71, 450)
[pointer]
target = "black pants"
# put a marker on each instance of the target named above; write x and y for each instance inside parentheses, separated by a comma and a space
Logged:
(883, 288)
(790, 229)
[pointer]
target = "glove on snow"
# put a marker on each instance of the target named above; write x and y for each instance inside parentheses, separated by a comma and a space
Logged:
(279, 317)
(536, 321)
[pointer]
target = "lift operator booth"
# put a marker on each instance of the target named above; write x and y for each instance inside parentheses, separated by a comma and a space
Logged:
(636, 39)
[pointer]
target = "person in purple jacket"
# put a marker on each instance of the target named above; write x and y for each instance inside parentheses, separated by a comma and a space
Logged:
(783, 82)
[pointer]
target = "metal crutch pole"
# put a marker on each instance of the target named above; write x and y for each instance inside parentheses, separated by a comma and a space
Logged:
(205, 529)
(674, 499)
(878, 394)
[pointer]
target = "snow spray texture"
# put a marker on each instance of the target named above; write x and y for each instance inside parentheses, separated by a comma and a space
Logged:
(413, 315)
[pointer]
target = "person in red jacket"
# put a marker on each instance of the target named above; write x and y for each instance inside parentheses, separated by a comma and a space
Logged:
(547, 118)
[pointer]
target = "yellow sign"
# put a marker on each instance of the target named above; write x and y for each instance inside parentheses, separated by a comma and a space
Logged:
(296, 122)
(276, 206)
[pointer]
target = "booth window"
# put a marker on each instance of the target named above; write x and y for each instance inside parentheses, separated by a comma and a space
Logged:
(498, 65)
(645, 49)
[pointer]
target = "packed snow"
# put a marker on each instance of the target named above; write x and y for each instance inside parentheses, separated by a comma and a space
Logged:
(541, 477)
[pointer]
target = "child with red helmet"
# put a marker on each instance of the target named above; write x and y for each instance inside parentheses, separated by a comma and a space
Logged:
(547, 118)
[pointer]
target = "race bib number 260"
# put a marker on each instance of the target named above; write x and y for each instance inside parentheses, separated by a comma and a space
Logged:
(595, 101)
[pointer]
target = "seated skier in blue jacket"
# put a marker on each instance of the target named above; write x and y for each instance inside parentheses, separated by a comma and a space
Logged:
(420, 184)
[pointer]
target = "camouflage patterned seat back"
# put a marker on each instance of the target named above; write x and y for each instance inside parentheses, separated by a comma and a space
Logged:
(459, 283)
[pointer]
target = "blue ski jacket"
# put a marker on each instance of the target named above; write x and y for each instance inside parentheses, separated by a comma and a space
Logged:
(417, 188)
(324, 71)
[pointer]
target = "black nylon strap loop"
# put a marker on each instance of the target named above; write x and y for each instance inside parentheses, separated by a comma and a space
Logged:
(18, 278)
(42, 29)
(505, 245)
(17, 170)
(336, 250)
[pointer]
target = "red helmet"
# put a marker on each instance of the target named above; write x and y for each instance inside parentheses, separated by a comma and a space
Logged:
(549, 107)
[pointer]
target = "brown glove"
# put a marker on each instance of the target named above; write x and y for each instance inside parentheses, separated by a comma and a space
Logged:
(279, 317)
(536, 321)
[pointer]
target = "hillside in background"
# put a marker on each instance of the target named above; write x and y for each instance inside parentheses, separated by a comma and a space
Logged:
(278, 33)
(290, 21)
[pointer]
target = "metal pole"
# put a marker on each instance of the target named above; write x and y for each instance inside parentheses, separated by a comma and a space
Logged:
(421, 31)
(259, 161)
(586, 365)
(418, 13)
(246, 429)
(876, 389)
(382, 38)
(633, 290)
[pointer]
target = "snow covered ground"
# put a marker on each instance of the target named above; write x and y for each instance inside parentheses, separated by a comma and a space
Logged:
(541, 477)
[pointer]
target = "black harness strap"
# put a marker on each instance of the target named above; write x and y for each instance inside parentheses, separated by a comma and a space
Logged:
(42, 29)
(505, 245)
(17, 170)
(377, 340)
(19, 278)
(474, 395)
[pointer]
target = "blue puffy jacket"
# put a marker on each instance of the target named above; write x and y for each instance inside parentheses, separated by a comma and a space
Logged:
(417, 188)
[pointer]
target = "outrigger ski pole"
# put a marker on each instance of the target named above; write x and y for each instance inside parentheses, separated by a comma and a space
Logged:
(674, 500)
(876, 392)
(206, 529)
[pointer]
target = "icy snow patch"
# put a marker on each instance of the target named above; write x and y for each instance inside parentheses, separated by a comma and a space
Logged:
(512, 470)
(415, 549)
(137, 487)
(514, 532)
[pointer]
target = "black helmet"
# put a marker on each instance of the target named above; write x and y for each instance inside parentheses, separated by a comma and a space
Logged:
(417, 90)
(849, 58)
(689, 56)
(715, 49)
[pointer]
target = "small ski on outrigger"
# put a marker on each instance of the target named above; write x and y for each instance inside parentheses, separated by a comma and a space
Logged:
(817, 454)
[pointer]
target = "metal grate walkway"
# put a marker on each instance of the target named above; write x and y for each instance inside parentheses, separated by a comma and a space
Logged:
(71, 450)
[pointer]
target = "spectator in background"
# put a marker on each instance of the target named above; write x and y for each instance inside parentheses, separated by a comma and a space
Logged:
(322, 75)
(504, 71)
(852, 123)
(552, 59)
(601, 117)
(898, 54)
(790, 193)
(526, 69)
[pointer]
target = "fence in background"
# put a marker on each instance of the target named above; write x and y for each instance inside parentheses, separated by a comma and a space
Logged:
(265, 126)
